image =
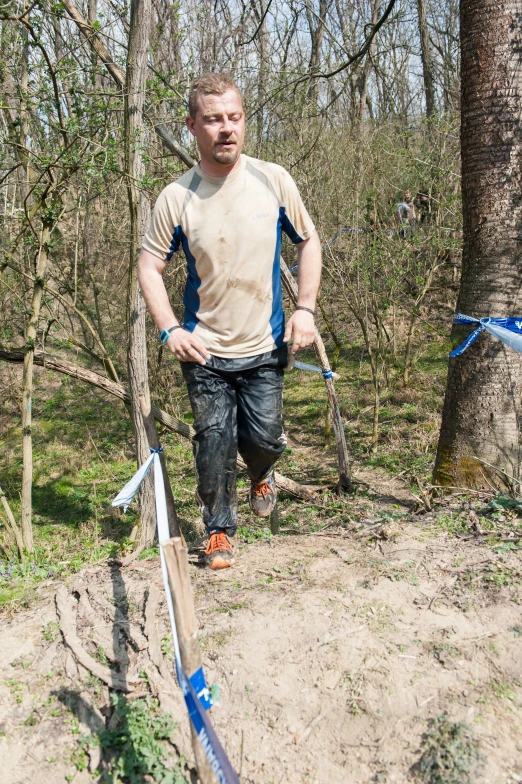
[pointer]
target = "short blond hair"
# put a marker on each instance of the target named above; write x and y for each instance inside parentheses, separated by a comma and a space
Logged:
(210, 83)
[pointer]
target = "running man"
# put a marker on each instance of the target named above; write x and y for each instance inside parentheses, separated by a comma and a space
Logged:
(227, 215)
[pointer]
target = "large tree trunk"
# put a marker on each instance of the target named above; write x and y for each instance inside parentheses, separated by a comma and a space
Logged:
(427, 67)
(480, 421)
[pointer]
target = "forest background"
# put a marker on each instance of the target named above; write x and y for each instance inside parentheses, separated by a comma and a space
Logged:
(359, 101)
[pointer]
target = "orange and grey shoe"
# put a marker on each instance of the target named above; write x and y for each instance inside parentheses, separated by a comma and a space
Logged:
(220, 551)
(263, 496)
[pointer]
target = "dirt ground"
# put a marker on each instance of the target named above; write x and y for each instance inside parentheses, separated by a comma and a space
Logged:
(329, 653)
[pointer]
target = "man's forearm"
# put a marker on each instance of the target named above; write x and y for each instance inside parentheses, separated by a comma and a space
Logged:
(309, 271)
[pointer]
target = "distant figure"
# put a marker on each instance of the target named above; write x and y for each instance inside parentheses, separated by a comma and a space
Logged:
(405, 215)
(423, 205)
(373, 221)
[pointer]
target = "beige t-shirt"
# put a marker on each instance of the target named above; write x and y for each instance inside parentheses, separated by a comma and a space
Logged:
(230, 230)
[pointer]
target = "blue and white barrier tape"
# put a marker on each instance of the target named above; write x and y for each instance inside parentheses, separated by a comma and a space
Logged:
(195, 691)
(508, 330)
(315, 369)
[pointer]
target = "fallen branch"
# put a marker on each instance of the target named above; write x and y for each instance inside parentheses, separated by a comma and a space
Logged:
(169, 422)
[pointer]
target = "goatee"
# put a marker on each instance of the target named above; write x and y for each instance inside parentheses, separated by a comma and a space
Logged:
(226, 157)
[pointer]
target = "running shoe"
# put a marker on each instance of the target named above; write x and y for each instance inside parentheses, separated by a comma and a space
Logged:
(220, 551)
(263, 496)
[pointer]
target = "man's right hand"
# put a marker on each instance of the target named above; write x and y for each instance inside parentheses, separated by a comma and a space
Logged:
(187, 347)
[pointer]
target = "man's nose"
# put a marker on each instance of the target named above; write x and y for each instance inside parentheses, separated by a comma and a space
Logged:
(226, 126)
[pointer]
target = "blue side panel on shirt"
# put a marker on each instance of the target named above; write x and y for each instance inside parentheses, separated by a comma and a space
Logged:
(277, 319)
(190, 296)
(174, 243)
(288, 227)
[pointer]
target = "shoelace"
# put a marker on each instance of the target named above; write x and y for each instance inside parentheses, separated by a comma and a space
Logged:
(263, 489)
(217, 542)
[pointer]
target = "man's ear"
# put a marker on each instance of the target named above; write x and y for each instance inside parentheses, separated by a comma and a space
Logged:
(189, 122)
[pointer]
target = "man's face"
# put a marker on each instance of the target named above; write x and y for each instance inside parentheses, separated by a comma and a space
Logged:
(219, 128)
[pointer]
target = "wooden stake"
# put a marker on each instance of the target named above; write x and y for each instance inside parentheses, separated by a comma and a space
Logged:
(187, 628)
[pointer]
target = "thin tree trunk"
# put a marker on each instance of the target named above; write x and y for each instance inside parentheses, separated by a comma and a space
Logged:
(139, 208)
(427, 67)
(480, 420)
(376, 9)
(27, 389)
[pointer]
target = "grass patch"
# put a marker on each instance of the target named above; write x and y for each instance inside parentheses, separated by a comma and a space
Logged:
(450, 753)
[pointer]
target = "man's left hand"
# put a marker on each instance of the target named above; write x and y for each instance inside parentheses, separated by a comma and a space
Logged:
(300, 329)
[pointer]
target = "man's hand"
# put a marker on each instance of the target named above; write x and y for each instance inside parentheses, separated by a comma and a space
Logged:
(187, 347)
(300, 329)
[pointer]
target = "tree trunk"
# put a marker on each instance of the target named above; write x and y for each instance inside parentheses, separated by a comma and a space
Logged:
(427, 68)
(480, 421)
(139, 208)
(27, 389)
(376, 10)
(316, 25)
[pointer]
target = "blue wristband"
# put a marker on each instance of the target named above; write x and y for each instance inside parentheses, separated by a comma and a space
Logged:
(165, 333)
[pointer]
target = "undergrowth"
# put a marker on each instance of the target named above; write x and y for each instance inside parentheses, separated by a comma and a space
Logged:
(450, 753)
(137, 748)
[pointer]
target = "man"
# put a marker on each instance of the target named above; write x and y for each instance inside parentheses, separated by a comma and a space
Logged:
(227, 214)
(405, 215)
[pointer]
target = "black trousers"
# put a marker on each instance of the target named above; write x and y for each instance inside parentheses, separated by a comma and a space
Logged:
(237, 406)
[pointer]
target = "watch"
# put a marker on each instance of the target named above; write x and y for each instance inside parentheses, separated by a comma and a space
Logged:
(165, 333)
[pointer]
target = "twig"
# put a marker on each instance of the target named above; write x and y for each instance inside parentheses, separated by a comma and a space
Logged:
(336, 637)
(310, 727)
(13, 525)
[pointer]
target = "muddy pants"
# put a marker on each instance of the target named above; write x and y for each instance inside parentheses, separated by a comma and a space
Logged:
(237, 406)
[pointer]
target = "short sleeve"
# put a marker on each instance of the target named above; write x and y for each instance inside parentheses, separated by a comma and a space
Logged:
(162, 237)
(296, 221)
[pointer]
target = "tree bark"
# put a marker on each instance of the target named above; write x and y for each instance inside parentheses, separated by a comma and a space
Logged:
(139, 208)
(316, 25)
(27, 389)
(480, 420)
(376, 9)
(427, 67)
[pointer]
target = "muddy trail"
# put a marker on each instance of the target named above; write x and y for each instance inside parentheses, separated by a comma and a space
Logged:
(328, 654)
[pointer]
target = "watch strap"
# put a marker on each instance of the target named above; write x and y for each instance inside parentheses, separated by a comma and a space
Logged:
(308, 310)
(165, 333)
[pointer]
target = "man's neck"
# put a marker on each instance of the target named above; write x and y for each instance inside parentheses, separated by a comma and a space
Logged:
(214, 169)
